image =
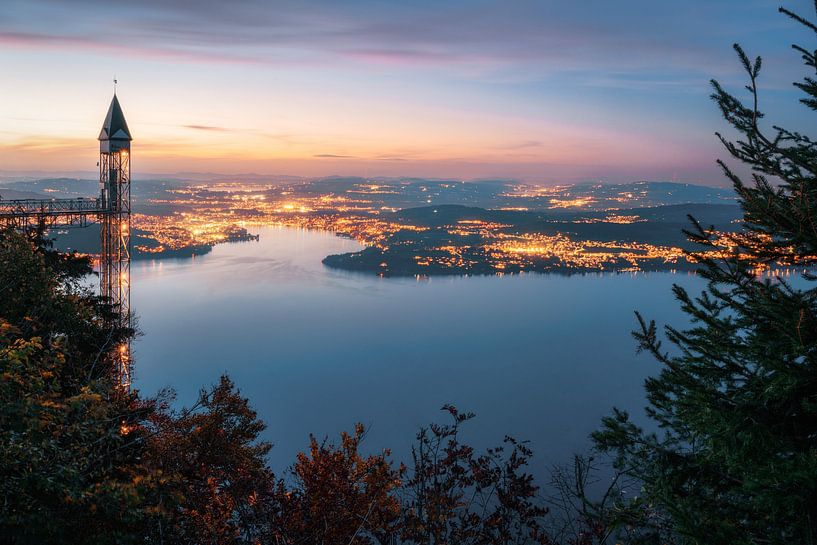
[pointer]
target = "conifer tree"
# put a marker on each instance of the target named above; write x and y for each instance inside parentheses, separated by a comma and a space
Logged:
(735, 457)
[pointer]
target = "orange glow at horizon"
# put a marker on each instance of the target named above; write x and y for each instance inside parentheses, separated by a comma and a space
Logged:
(176, 133)
(392, 89)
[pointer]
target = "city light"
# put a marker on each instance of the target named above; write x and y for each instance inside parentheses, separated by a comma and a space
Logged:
(209, 214)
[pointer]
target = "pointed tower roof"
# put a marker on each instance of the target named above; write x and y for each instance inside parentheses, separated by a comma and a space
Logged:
(115, 127)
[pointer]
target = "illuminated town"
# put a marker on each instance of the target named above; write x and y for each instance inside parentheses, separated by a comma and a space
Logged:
(415, 227)
(408, 229)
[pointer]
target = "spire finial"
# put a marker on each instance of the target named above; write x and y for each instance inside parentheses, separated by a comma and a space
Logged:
(115, 127)
(114, 84)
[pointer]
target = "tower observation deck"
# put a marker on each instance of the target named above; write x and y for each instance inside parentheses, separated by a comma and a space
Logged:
(111, 209)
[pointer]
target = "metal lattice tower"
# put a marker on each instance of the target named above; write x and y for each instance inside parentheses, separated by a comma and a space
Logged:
(112, 210)
(114, 193)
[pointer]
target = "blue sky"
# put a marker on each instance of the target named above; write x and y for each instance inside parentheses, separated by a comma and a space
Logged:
(544, 91)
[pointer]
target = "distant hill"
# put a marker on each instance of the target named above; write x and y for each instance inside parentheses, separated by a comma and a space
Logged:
(659, 193)
(456, 239)
(57, 188)
(15, 194)
(412, 192)
(721, 215)
(490, 194)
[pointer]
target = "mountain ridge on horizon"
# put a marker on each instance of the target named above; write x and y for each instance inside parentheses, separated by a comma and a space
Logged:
(20, 176)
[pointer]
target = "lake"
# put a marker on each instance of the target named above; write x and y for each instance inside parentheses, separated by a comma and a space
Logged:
(540, 357)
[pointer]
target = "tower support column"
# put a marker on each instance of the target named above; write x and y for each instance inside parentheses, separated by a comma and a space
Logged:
(115, 255)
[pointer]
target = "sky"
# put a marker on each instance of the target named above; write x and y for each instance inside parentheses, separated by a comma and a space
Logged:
(544, 91)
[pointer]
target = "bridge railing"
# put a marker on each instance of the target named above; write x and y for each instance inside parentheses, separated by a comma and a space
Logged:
(49, 207)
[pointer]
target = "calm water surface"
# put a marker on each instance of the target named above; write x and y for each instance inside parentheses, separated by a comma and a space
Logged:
(541, 357)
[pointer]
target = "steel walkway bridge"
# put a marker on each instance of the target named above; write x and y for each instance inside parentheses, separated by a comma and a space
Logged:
(26, 213)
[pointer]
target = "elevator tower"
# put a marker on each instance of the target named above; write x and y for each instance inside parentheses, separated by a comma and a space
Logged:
(111, 209)
(115, 201)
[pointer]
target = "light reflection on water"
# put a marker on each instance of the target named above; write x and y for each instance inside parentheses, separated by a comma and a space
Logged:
(541, 357)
